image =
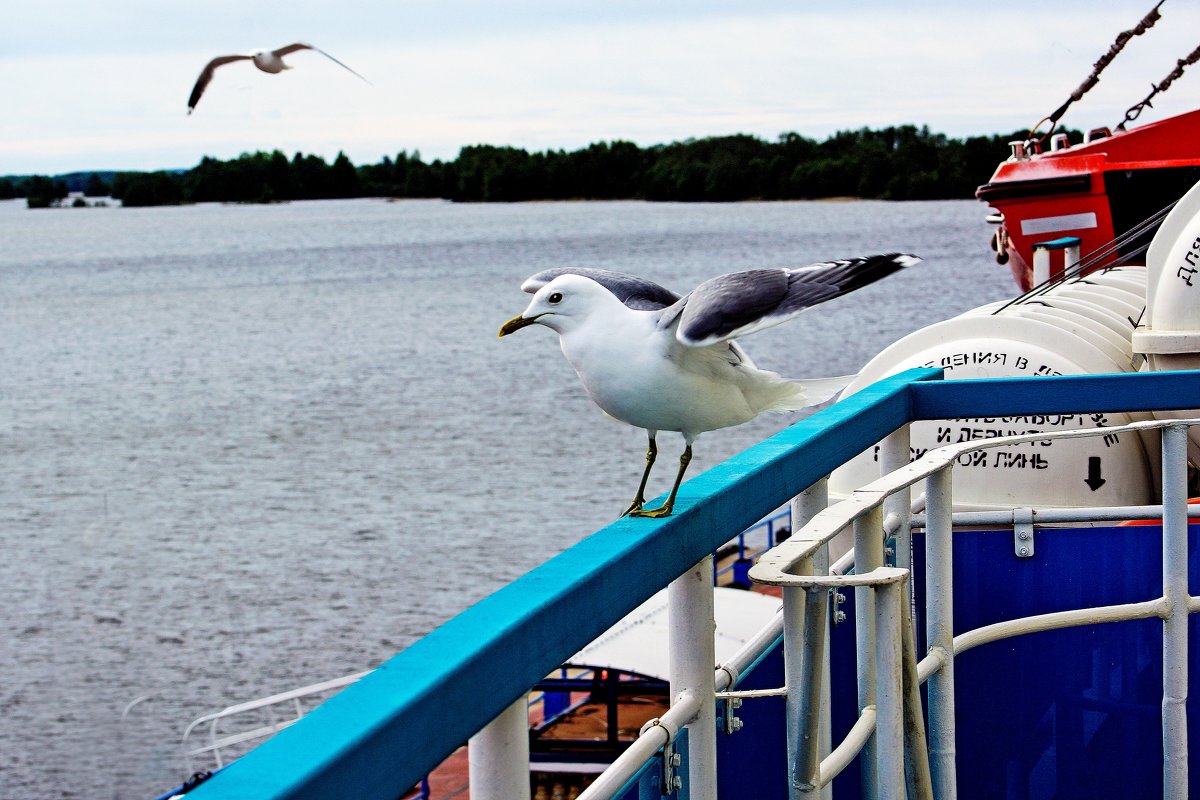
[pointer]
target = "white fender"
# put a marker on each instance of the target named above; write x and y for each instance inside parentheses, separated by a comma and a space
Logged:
(1082, 327)
(1169, 335)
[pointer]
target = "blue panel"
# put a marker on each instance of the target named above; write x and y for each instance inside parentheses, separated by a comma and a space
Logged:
(646, 784)
(752, 763)
(1063, 714)
(1072, 713)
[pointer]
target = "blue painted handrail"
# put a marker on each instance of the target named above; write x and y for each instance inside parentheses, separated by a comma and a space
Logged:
(379, 736)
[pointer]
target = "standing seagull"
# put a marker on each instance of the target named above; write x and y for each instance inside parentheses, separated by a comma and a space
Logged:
(660, 362)
(267, 60)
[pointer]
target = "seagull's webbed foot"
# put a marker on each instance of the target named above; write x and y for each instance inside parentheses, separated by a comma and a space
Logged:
(639, 499)
(666, 508)
(653, 513)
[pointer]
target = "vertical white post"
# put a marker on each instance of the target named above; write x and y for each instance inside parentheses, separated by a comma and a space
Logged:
(805, 506)
(890, 603)
(1041, 265)
(794, 601)
(894, 454)
(498, 756)
(939, 630)
(1175, 626)
(805, 759)
(868, 554)
(1070, 255)
(693, 661)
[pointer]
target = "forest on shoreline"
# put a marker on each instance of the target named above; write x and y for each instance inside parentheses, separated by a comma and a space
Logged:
(893, 163)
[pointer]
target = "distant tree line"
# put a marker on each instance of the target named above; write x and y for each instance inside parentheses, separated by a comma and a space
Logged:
(895, 163)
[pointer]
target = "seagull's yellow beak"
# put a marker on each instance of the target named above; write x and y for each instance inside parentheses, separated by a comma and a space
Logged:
(515, 324)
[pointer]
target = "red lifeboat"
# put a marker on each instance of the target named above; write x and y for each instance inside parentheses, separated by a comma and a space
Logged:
(1096, 190)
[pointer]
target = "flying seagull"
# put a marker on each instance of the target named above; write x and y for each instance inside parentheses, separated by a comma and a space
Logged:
(658, 361)
(267, 60)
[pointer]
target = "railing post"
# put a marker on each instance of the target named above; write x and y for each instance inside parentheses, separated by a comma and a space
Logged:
(868, 554)
(805, 506)
(498, 756)
(939, 629)
(1175, 626)
(916, 748)
(890, 604)
(895, 452)
(693, 660)
(805, 759)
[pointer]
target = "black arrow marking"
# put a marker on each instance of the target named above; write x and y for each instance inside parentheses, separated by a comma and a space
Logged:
(1093, 479)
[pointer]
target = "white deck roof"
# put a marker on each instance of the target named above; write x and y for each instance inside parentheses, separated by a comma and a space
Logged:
(638, 643)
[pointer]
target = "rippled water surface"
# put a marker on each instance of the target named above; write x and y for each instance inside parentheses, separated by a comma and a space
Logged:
(247, 448)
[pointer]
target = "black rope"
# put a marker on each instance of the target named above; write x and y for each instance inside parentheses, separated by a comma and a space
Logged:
(1092, 79)
(1086, 263)
(1134, 111)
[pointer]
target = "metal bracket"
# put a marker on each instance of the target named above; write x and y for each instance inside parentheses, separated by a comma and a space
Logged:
(1023, 532)
(671, 783)
(733, 723)
(838, 598)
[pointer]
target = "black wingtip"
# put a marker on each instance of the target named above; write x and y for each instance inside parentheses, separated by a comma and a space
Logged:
(868, 269)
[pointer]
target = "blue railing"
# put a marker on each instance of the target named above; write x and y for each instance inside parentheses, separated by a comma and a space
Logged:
(380, 736)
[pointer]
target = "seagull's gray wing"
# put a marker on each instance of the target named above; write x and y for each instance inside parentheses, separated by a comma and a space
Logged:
(297, 46)
(742, 303)
(207, 75)
(637, 293)
(288, 49)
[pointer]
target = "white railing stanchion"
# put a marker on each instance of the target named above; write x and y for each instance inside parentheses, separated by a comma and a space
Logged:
(804, 770)
(1175, 625)
(939, 628)
(868, 555)
(794, 602)
(804, 507)
(916, 747)
(498, 756)
(693, 658)
(890, 606)
(894, 453)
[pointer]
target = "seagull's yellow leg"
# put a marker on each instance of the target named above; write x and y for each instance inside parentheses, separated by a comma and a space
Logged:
(665, 509)
(639, 499)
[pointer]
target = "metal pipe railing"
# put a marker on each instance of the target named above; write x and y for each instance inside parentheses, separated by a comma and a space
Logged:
(939, 629)
(1175, 624)
(468, 663)
(498, 756)
(692, 652)
(790, 566)
(654, 736)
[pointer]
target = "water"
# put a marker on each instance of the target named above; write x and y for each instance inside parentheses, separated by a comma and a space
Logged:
(247, 448)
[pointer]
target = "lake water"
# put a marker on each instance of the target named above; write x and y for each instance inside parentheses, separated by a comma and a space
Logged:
(247, 448)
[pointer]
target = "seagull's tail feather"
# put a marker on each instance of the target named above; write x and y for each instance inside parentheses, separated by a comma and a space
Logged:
(793, 395)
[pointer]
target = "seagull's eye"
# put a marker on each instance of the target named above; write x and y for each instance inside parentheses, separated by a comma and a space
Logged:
(554, 299)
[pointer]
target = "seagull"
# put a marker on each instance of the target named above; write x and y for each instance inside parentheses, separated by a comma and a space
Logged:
(661, 362)
(267, 60)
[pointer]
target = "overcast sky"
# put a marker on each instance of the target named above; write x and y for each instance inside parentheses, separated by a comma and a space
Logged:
(103, 84)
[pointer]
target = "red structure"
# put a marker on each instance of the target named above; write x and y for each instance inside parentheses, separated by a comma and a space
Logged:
(1098, 189)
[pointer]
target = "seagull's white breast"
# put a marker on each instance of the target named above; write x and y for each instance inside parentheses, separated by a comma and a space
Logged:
(638, 374)
(269, 62)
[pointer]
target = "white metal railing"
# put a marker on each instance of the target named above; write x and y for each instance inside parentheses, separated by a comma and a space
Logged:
(559, 606)
(890, 729)
(281, 710)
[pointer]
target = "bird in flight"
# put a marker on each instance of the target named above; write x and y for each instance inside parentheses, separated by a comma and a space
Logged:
(661, 362)
(267, 60)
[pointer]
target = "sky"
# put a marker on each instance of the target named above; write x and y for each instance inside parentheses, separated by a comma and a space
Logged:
(103, 84)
